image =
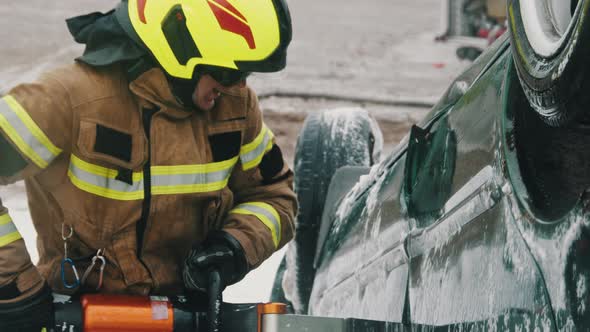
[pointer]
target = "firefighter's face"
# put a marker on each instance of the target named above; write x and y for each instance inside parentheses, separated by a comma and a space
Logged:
(207, 91)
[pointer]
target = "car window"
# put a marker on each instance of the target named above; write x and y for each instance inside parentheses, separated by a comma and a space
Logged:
(429, 170)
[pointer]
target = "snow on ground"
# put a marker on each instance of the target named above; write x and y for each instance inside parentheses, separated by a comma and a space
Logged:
(371, 49)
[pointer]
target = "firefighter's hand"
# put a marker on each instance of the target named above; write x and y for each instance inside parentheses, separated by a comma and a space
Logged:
(28, 315)
(220, 251)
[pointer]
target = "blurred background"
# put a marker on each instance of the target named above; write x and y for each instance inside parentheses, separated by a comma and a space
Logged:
(391, 57)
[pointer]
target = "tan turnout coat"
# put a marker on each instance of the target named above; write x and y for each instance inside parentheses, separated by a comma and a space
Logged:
(91, 163)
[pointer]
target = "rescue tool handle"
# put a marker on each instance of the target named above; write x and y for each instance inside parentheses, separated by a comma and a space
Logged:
(214, 292)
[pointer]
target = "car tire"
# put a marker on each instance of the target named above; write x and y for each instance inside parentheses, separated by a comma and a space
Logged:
(551, 54)
(328, 140)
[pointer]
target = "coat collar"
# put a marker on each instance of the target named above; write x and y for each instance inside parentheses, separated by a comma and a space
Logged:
(153, 89)
(152, 86)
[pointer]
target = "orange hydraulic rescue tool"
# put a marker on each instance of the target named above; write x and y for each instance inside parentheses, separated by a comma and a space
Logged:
(119, 313)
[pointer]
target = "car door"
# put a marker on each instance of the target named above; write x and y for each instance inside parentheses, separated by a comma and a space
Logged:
(363, 267)
(468, 264)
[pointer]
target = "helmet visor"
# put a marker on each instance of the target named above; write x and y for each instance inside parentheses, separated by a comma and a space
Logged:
(228, 77)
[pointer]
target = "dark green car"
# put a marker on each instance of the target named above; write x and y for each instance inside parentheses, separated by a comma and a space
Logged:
(480, 218)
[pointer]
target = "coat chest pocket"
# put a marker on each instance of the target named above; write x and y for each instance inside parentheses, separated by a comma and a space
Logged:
(229, 114)
(106, 175)
(110, 158)
(225, 132)
(108, 144)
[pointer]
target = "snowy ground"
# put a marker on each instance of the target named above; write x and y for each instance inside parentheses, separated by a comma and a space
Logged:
(374, 52)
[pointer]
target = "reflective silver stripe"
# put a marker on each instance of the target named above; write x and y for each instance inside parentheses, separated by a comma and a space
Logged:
(195, 178)
(104, 182)
(188, 179)
(266, 214)
(250, 157)
(258, 210)
(165, 180)
(30, 140)
(101, 181)
(7, 229)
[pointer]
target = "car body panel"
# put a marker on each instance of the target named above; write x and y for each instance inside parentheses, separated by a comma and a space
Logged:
(483, 257)
(550, 242)
(358, 234)
(475, 248)
(340, 288)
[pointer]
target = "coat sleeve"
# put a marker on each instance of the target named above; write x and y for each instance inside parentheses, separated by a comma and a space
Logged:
(35, 126)
(262, 218)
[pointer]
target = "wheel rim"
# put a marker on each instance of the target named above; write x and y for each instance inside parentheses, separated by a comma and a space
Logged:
(547, 23)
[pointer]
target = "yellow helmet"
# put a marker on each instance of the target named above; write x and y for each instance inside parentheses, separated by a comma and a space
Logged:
(185, 36)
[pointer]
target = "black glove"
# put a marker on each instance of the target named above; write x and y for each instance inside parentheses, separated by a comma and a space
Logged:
(220, 251)
(28, 315)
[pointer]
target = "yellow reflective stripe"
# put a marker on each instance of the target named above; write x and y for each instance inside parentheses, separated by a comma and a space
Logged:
(5, 219)
(100, 170)
(20, 143)
(101, 181)
(25, 134)
(252, 153)
(267, 214)
(189, 188)
(8, 231)
(8, 239)
(165, 180)
(198, 178)
(192, 169)
(31, 125)
(104, 192)
(247, 148)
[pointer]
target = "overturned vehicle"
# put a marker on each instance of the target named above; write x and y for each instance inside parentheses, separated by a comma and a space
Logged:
(480, 218)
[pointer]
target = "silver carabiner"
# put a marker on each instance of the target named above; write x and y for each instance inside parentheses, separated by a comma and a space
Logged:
(99, 256)
(67, 260)
(63, 232)
(65, 238)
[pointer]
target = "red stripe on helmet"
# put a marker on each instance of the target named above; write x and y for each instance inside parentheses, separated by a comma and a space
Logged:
(141, 10)
(228, 6)
(230, 23)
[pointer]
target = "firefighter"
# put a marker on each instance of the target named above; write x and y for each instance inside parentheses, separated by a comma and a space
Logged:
(147, 161)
